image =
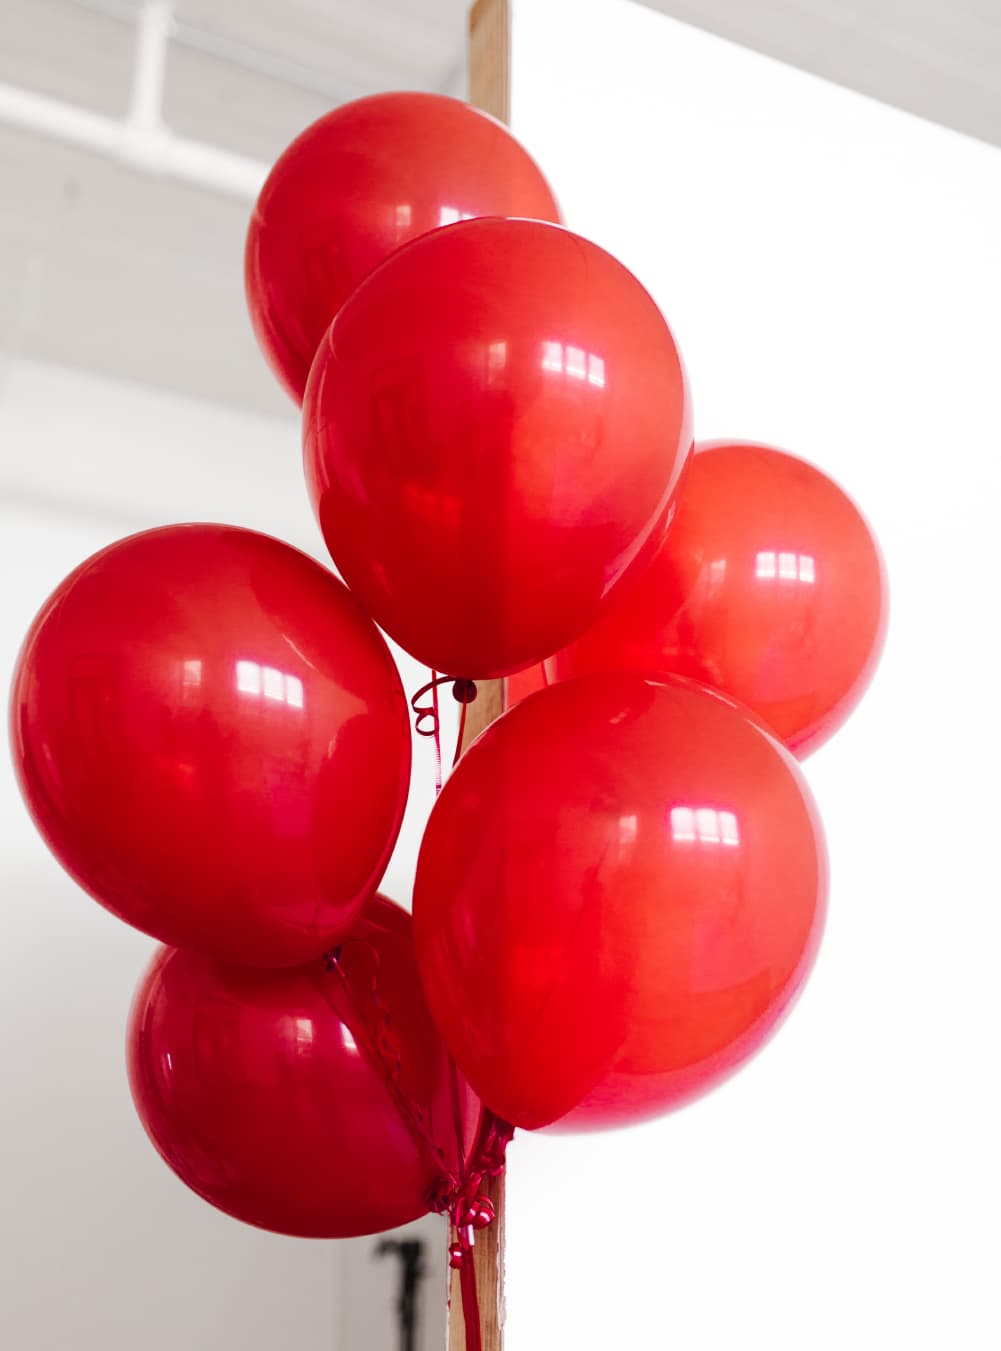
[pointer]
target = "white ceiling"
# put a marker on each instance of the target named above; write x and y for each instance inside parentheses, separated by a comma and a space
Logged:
(108, 269)
(242, 73)
(938, 58)
(132, 275)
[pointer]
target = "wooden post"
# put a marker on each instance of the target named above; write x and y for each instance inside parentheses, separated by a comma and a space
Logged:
(490, 57)
(489, 89)
(488, 1248)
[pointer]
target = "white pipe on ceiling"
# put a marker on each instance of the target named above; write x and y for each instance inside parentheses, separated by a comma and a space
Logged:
(141, 140)
(155, 151)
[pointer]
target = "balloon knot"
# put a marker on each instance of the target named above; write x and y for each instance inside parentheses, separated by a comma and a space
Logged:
(426, 722)
(478, 1214)
(464, 691)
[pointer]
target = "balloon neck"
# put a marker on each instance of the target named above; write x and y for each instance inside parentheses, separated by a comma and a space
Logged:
(426, 715)
(464, 691)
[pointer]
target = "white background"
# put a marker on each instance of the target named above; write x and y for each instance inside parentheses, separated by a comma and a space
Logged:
(832, 271)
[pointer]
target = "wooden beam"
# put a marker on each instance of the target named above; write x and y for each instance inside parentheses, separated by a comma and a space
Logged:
(490, 57)
(489, 89)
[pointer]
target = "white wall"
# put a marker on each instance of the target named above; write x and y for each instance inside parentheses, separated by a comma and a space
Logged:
(832, 270)
(368, 1290)
(101, 1248)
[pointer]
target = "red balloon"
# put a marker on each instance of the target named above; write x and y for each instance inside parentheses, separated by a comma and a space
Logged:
(313, 1102)
(620, 891)
(494, 428)
(213, 740)
(523, 683)
(769, 586)
(364, 179)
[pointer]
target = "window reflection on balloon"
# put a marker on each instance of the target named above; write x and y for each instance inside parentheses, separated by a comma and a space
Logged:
(705, 825)
(252, 678)
(402, 218)
(787, 567)
(564, 359)
(450, 215)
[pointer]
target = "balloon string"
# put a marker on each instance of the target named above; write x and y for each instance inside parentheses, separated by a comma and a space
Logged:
(380, 1048)
(428, 711)
(459, 1195)
(460, 738)
(457, 1126)
(460, 1216)
(428, 716)
(471, 1210)
(457, 1191)
(458, 1186)
(470, 1305)
(437, 734)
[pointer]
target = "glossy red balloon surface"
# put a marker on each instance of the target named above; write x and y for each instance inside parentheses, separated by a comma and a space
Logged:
(213, 740)
(620, 891)
(302, 1101)
(494, 428)
(364, 179)
(769, 586)
(524, 683)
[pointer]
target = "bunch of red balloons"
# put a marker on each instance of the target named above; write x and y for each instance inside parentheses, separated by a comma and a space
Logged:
(622, 885)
